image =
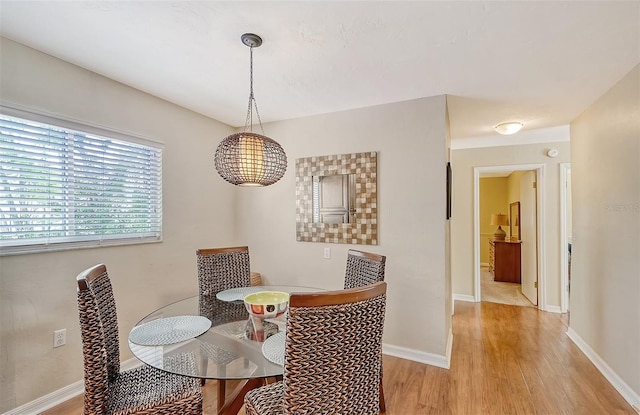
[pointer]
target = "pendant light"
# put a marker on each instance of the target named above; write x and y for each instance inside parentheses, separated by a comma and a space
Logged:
(247, 158)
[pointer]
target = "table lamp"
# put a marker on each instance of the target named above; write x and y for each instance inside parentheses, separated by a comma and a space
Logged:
(499, 219)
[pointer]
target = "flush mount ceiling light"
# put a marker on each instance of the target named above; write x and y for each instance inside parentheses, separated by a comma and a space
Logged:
(247, 158)
(507, 128)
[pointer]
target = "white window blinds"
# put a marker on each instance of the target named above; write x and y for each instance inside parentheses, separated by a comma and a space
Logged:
(64, 189)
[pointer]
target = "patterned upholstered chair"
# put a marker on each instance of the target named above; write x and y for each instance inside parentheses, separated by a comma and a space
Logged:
(332, 355)
(108, 391)
(364, 268)
(220, 269)
(256, 279)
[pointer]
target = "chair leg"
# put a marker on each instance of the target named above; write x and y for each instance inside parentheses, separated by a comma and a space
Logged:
(204, 364)
(273, 379)
(221, 393)
(383, 406)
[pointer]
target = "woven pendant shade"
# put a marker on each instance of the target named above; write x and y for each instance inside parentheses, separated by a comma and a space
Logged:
(247, 158)
(250, 159)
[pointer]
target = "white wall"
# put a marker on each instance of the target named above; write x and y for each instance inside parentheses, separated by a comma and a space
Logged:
(462, 245)
(605, 266)
(410, 138)
(38, 292)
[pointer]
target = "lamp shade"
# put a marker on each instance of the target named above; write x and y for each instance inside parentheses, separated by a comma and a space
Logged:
(250, 159)
(499, 219)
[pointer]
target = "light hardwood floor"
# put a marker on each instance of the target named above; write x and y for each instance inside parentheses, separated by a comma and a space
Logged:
(505, 360)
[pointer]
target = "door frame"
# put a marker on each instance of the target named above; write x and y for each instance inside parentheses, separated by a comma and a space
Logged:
(540, 225)
(565, 169)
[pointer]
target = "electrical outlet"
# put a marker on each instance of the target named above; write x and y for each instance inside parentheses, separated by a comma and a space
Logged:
(59, 337)
(327, 253)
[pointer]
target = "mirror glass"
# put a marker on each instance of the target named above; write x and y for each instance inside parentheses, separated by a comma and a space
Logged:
(336, 199)
(514, 221)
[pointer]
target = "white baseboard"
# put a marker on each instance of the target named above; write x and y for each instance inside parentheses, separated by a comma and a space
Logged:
(49, 401)
(471, 299)
(61, 395)
(464, 297)
(419, 356)
(625, 390)
(449, 347)
(553, 309)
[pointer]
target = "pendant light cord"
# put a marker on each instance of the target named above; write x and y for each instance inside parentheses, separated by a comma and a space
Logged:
(248, 122)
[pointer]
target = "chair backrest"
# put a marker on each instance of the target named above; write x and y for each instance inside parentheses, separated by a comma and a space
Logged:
(333, 351)
(363, 268)
(220, 269)
(99, 332)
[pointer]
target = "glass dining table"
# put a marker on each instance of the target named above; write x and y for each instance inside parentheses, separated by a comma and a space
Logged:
(225, 349)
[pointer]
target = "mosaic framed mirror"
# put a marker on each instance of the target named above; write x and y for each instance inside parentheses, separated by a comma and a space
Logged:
(336, 199)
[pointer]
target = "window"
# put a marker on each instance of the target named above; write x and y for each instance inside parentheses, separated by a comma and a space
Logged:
(63, 188)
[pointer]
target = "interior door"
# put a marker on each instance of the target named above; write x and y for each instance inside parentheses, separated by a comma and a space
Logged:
(529, 251)
(334, 197)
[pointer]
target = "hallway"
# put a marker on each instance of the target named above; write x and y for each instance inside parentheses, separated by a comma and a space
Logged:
(501, 292)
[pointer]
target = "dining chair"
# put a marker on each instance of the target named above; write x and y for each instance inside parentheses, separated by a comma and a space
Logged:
(109, 391)
(221, 269)
(333, 355)
(365, 268)
(256, 279)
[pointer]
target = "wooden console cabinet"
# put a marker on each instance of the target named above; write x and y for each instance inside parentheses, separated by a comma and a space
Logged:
(504, 261)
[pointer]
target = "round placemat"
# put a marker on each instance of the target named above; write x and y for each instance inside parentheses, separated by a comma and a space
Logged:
(273, 348)
(169, 330)
(237, 294)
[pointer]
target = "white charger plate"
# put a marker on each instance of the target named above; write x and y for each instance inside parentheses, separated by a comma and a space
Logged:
(237, 294)
(169, 330)
(273, 348)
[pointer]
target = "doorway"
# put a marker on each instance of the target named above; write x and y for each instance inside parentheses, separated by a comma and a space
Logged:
(565, 235)
(539, 258)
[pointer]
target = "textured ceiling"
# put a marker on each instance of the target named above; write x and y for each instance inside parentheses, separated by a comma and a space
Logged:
(539, 62)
